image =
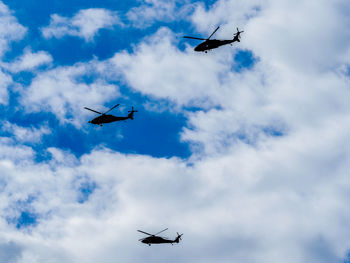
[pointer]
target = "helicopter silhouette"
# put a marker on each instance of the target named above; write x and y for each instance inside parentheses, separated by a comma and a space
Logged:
(106, 118)
(209, 44)
(154, 239)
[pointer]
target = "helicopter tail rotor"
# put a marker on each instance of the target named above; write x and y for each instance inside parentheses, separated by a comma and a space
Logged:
(178, 238)
(237, 35)
(131, 113)
(132, 110)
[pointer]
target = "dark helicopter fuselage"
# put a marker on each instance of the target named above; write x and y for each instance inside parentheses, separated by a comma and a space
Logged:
(209, 44)
(105, 118)
(213, 43)
(158, 240)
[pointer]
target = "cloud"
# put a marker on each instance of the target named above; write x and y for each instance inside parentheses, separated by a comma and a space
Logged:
(5, 82)
(268, 181)
(282, 31)
(151, 11)
(222, 12)
(169, 73)
(65, 90)
(23, 134)
(261, 200)
(13, 152)
(10, 29)
(10, 252)
(272, 193)
(29, 61)
(85, 24)
(274, 95)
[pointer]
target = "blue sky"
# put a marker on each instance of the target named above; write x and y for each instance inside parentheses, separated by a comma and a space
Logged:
(243, 149)
(151, 133)
(155, 134)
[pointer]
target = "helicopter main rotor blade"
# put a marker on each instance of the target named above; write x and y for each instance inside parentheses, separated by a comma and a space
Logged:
(160, 231)
(145, 233)
(194, 38)
(213, 32)
(111, 108)
(92, 110)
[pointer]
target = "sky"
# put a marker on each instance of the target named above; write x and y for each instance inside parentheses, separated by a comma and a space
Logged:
(243, 149)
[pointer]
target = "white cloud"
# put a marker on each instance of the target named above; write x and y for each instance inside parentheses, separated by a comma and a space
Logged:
(65, 90)
(222, 12)
(29, 61)
(12, 153)
(168, 73)
(10, 252)
(5, 82)
(276, 93)
(280, 198)
(298, 40)
(10, 29)
(23, 134)
(246, 196)
(282, 31)
(259, 200)
(85, 24)
(151, 11)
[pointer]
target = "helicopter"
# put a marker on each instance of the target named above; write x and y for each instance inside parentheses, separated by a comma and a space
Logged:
(154, 239)
(105, 118)
(209, 44)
